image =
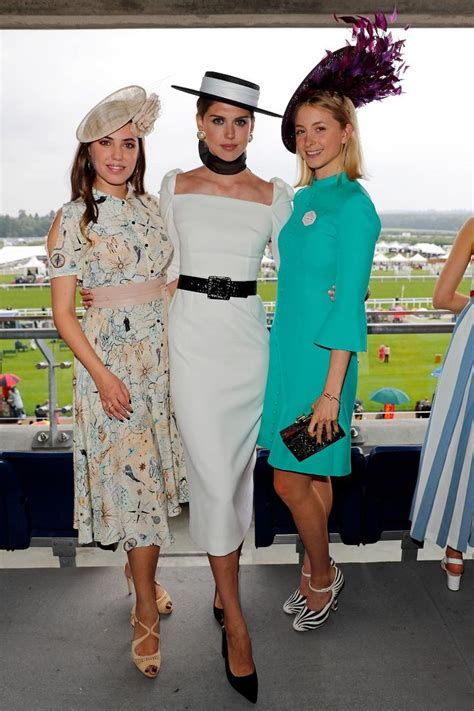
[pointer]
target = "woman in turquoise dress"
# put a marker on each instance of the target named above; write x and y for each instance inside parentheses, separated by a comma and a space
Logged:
(329, 239)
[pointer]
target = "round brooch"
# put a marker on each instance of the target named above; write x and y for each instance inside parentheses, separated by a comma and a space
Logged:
(308, 218)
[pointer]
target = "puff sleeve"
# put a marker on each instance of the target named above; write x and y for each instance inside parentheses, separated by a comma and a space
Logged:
(166, 208)
(66, 258)
(345, 327)
(283, 195)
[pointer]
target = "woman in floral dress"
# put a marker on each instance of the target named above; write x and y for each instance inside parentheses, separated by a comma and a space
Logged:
(128, 461)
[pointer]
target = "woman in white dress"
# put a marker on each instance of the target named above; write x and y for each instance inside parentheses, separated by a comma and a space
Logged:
(220, 217)
(443, 506)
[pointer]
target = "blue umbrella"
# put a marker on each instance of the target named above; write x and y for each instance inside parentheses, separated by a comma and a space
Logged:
(437, 371)
(390, 396)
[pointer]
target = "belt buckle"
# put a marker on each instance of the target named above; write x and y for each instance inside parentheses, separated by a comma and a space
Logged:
(219, 287)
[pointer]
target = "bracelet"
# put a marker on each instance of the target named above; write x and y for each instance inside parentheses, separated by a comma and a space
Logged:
(331, 397)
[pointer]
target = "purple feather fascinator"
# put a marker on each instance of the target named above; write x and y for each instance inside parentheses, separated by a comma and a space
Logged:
(369, 69)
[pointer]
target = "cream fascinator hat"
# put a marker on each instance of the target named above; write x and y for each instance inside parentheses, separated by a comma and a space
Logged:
(129, 104)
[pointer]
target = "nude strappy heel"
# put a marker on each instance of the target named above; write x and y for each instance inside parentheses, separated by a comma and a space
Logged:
(453, 580)
(146, 662)
(164, 603)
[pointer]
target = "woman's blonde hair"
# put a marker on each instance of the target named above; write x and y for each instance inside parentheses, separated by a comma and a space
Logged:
(343, 111)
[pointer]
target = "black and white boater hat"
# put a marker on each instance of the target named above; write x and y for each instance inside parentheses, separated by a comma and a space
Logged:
(229, 90)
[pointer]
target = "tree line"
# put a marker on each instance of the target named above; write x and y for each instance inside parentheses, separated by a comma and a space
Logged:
(37, 226)
(25, 225)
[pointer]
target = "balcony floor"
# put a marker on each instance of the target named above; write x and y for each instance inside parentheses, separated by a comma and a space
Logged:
(400, 640)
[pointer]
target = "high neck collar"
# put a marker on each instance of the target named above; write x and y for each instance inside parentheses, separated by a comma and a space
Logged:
(330, 180)
(102, 194)
(217, 165)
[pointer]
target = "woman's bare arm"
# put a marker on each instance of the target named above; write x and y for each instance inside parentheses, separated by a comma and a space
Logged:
(63, 292)
(445, 295)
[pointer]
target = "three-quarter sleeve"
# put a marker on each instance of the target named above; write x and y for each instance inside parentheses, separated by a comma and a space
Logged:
(166, 209)
(283, 195)
(345, 327)
(66, 256)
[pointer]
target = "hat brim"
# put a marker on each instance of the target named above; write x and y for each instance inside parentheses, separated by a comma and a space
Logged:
(91, 129)
(224, 100)
(318, 79)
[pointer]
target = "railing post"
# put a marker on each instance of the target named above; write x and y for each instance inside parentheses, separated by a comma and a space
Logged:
(49, 355)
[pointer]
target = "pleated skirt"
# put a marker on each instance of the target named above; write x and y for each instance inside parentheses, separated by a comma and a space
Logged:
(443, 505)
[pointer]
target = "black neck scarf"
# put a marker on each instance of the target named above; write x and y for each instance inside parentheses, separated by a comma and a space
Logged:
(217, 165)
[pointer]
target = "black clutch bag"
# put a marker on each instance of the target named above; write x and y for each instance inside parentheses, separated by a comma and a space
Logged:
(301, 444)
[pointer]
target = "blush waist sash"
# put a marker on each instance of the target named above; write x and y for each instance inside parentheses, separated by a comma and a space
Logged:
(107, 297)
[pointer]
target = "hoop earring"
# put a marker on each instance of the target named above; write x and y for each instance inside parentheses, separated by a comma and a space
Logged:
(90, 166)
(251, 138)
(201, 135)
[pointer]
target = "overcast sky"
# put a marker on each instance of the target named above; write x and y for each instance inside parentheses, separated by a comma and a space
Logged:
(418, 147)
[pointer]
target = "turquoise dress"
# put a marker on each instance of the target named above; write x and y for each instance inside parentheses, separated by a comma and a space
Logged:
(329, 239)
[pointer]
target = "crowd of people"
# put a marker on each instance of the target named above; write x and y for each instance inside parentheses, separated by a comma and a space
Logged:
(175, 379)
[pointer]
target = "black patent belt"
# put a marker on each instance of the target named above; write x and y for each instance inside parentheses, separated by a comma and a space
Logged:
(218, 287)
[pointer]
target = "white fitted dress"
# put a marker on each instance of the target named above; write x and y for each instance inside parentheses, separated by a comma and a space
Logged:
(219, 353)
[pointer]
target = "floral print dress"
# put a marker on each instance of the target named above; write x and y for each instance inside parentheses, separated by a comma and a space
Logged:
(129, 476)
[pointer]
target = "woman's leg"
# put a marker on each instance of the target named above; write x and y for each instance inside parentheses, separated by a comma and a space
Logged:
(226, 574)
(143, 563)
(454, 568)
(309, 504)
(217, 599)
(323, 487)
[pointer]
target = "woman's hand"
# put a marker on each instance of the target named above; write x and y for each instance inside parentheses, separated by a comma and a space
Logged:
(87, 298)
(114, 396)
(325, 414)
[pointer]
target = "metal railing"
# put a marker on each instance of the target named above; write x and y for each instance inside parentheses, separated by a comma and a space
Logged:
(53, 438)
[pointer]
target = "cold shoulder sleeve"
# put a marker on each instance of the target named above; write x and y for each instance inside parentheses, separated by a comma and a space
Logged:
(166, 207)
(345, 327)
(66, 257)
(283, 195)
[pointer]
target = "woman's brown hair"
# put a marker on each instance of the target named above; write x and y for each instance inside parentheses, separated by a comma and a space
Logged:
(203, 105)
(83, 177)
(343, 111)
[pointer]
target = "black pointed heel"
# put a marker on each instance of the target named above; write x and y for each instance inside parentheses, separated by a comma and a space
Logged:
(246, 686)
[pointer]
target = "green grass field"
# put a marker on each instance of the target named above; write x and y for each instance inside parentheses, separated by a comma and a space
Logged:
(383, 289)
(34, 382)
(412, 360)
(37, 297)
(412, 356)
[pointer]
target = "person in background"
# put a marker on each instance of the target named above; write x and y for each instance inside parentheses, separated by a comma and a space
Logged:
(128, 460)
(16, 403)
(386, 354)
(443, 504)
(314, 342)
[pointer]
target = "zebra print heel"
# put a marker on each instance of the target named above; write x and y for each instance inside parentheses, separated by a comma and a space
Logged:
(308, 619)
(297, 601)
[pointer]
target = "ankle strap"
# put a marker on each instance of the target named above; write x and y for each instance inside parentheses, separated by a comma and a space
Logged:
(453, 561)
(305, 575)
(329, 588)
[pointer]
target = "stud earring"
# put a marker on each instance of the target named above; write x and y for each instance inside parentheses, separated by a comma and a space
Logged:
(201, 135)
(251, 138)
